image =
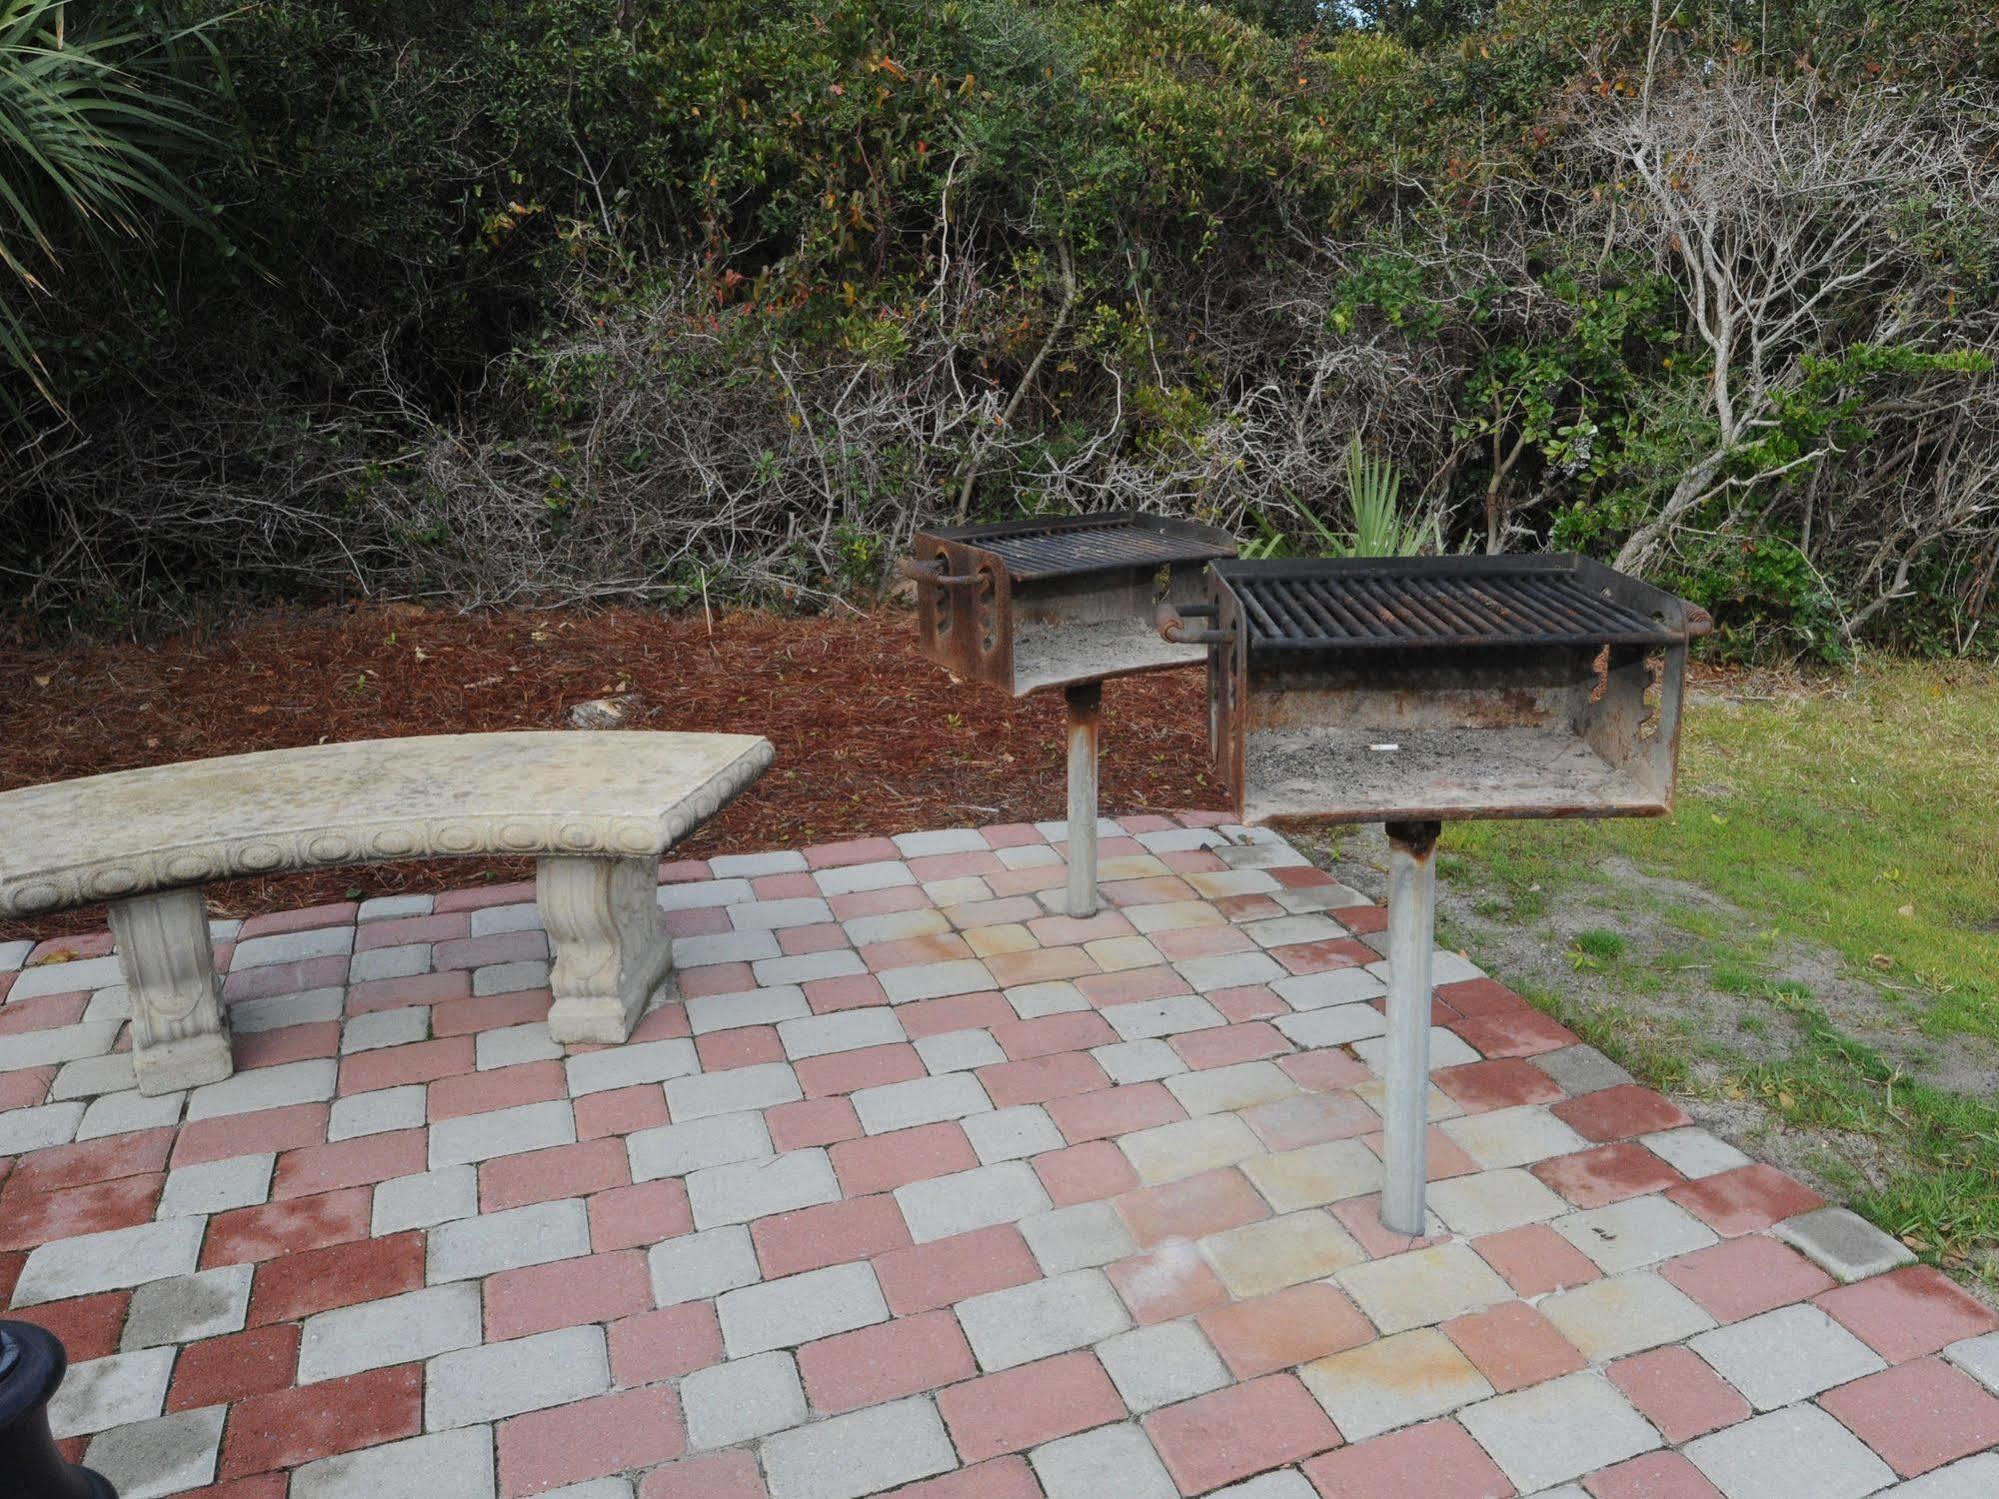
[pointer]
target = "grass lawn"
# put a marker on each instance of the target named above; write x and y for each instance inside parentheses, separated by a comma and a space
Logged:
(1811, 942)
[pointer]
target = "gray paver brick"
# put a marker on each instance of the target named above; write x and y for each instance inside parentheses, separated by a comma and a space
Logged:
(724, 1012)
(394, 907)
(920, 1100)
(1423, 1286)
(936, 980)
(262, 1088)
(861, 1453)
(1974, 1478)
(1289, 1483)
(1187, 1147)
(23, 1130)
(87, 1077)
(1843, 1244)
(448, 1465)
(724, 947)
(1230, 970)
(466, 1248)
(108, 1261)
(1552, 1432)
(1042, 1318)
(755, 1087)
(124, 1112)
(775, 915)
(1157, 1365)
(510, 1045)
(184, 1308)
(850, 879)
(1012, 1134)
(1693, 1152)
(1787, 1355)
(717, 1140)
(1095, 1464)
(481, 1137)
(799, 1308)
(117, 1390)
(428, 1198)
(744, 1190)
(510, 978)
(1335, 986)
(1623, 1314)
(409, 1328)
(842, 1030)
(1787, 1454)
(1393, 1381)
(380, 1028)
(522, 916)
(58, 1044)
(1581, 1069)
(495, 1380)
(941, 1206)
(1632, 1234)
(378, 1112)
(693, 1267)
(1077, 1237)
(1340, 1025)
(750, 866)
(809, 967)
(741, 1399)
(293, 947)
(1242, 1085)
(215, 1186)
(687, 895)
(1152, 1018)
(1138, 1061)
(1978, 1357)
(1053, 997)
(623, 1066)
(1490, 1201)
(279, 1010)
(1447, 1049)
(154, 1458)
(1512, 1137)
(959, 1051)
(73, 977)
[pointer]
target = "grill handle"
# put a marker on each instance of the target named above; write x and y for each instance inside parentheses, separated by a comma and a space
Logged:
(1172, 621)
(926, 572)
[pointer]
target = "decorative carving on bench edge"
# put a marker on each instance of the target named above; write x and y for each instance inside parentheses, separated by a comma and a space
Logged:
(88, 881)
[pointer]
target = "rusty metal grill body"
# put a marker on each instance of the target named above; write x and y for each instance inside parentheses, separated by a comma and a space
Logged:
(1038, 604)
(1432, 689)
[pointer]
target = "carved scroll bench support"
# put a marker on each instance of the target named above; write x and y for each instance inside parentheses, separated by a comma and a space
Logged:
(594, 810)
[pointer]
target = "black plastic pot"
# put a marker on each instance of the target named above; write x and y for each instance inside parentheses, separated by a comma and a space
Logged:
(32, 1364)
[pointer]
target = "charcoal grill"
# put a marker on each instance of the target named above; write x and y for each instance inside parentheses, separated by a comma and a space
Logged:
(1416, 691)
(1061, 602)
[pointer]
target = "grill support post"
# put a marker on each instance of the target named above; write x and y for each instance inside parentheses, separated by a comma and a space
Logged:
(1084, 701)
(1412, 921)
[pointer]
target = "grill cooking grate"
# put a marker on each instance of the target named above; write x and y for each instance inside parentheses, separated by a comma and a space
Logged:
(1048, 551)
(1362, 608)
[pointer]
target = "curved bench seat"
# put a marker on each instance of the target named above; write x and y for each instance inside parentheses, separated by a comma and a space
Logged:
(595, 809)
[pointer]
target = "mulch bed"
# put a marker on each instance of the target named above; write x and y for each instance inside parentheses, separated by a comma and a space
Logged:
(870, 737)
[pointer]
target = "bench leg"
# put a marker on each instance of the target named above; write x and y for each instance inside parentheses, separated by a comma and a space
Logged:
(179, 1036)
(610, 944)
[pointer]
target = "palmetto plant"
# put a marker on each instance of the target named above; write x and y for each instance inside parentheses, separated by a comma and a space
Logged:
(98, 121)
(1380, 529)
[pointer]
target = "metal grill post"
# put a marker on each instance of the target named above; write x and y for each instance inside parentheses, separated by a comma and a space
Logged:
(1085, 702)
(1412, 920)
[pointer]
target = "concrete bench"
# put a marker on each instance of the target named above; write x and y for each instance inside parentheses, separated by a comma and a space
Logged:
(595, 810)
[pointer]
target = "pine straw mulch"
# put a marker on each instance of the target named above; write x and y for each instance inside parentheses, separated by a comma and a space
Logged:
(870, 737)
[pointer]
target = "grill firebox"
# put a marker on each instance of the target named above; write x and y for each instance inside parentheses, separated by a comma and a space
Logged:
(1033, 605)
(1432, 689)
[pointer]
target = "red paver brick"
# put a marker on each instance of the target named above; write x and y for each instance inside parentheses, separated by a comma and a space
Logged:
(1523, 1035)
(450, 995)
(1513, 1346)
(288, 1043)
(61, 1166)
(29, 1217)
(881, 1163)
(1656, 1475)
(287, 1428)
(512, 1181)
(1014, 910)
(497, 947)
(817, 936)
(699, 921)
(1285, 1329)
(713, 1475)
(42, 1013)
(638, 1216)
(665, 1344)
(273, 1130)
(1041, 1079)
(359, 1162)
(1025, 1406)
(1072, 1030)
(849, 991)
(1437, 1460)
(1114, 1111)
(469, 1092)
(272, 979)
(1192, 1207)
(294, 1286)
(1311, 1119)
(1180, 943)
(851, 851)
(88, 1325)
(811, 1121)
(11, 1264)
(305, 919)
(271, 1229)
(1324, 955)
(667, 1022)
(25, 1087)
(1621, 1112)
(620, 1111)
(567, 1293)
(1248, 907)
(397, 1066)
(926, 1276)
(715, 978)
(217, 1371)
(589, 1439)
(742, 1046)
(1132, 986)
(1476, 998)
(1918, 1415)
(793, 884)
(1243, 1429)
(1226, 1044)
(1088, 1172)
(1169, 1281)
(954, 1012)
(1738, 1278)
(907, 952)
(479, 897)
(1362, 921)
(850, 1071)
(1745, 1199)
(885, 1362)
(1324, 1070)
(1244, 1001)
(1500, 1084)
(1607, 1174)
(1677, 1392)
(877, 902)
(1361, 1217)
(259, 1486)
(1908, 1312)
(1073, 931)
(1535, 1260)
(832, 1233)
(1443, 1157)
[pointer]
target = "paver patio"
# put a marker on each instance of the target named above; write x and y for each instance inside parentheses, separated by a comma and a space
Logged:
(921, 1188)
